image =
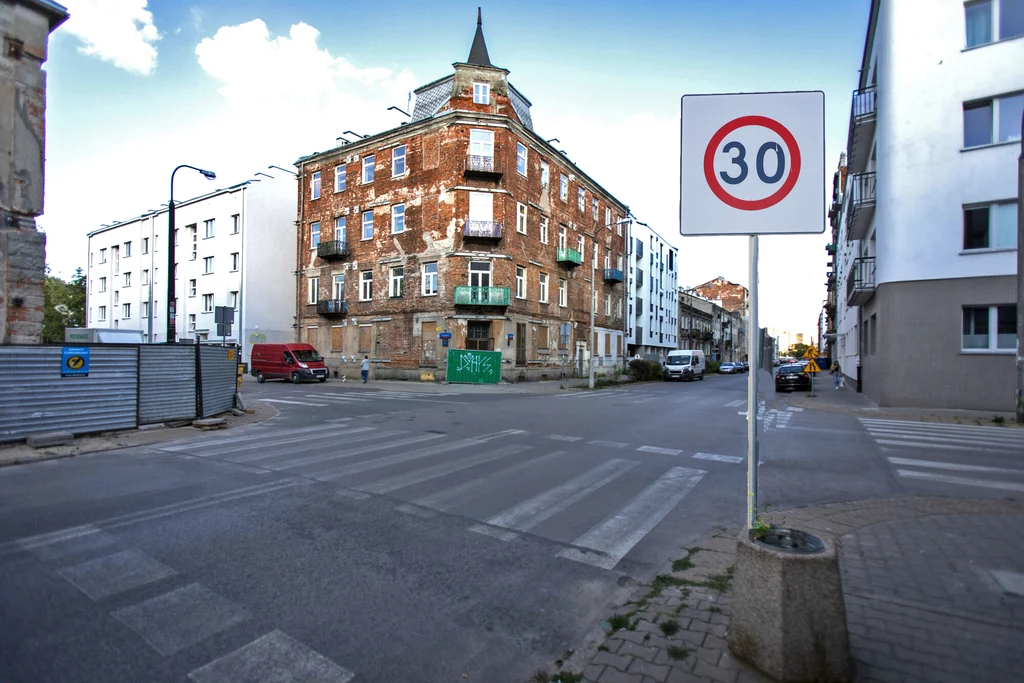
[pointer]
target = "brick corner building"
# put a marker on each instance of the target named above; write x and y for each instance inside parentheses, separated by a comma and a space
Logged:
(460, 229)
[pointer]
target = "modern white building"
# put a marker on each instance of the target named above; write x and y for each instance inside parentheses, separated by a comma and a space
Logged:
(653, 286)
(926, 216)
(235, 247)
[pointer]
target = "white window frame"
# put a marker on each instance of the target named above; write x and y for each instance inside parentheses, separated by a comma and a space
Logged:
(563, 237)
(208, 228)
(994, 11)
(993, 226)
(207, 303)
(126, 310)
(478, 272)
(481, 142)
(145, 246)
(103, 284)
(543, 288)
(233, 298)
(235, 223)
(608, 305)
(994, 104)
(593, 208)
(429, 279)
(314, 234)
(127, 278)
(207, 265)
(543, 229)
(481, 93)
(145, 276)
(367, 223)
(341, 229)
(563, 187)
(366, 285)
(338, 287)
(145, 309)
(397, 219)
(521, 218)
(369, 170)
(192, 288)
(520, 282)
(563, 292)
(191, 322)
(101, 314)
(545, 174)
(314, 186)
(103, 253)
(127, 249)
(396, 282)
(398, 158)
(993, 332)
(313, 290)
(581, 199)
(340, 179)
(521, 159)
(236, 260)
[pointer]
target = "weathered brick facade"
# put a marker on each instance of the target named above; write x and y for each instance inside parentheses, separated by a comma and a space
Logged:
(421, 217)
(732, 295)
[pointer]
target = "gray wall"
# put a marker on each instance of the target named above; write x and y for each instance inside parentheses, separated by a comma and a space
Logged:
(917, 360)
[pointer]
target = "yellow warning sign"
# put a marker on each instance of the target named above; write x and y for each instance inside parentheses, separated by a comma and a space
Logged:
(811, 352)
(811, 366)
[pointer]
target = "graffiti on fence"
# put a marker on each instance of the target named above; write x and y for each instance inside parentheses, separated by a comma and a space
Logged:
(481, 367)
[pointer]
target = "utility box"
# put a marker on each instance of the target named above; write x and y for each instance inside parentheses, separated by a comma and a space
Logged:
(95, 335)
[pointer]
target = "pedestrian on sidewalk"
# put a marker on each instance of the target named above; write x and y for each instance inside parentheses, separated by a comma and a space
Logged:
(837, 373)
(364, 368)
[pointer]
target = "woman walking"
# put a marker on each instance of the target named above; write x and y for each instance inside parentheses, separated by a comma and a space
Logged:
(837, 373)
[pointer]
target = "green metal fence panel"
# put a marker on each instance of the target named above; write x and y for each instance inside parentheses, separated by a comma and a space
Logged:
(474, 367)
(482, 296)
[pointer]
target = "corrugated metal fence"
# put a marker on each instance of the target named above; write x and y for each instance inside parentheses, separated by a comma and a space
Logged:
(127, 385)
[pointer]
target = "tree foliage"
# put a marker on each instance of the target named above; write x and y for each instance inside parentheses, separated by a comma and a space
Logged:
(63, 305)
(797, 350)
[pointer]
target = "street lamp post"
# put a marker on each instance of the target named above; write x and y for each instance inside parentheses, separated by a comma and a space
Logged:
(171, 303)
(593, 298)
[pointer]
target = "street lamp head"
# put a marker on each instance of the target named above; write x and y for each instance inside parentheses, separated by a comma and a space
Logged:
(209, 175)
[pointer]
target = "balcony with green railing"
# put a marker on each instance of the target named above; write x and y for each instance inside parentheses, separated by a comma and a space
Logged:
(482, 296)
(570, 257)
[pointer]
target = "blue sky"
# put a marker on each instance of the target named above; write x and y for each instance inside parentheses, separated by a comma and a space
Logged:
(137, 87)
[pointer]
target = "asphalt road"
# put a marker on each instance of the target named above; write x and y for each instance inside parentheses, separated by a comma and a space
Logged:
(396, 535)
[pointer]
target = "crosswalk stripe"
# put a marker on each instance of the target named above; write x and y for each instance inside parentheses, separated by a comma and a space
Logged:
(364, 434)
(609, 444)
(930, 436)
(943, 426)
(612, 538)
(275, 656)
(942, 446)
(543, 506)
(735, 404)
(401, 481)
(950, 479)
(561, 437)
(339, 399)
(294, 403)
(658, 449)
(349, 452)
(734, 459)
(936, 465)
(290, 440)
(254, 434)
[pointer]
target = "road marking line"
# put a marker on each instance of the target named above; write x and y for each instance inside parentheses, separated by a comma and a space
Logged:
(916, 436)
(612, 538)
(545, 505)
(659, 449)
(416, 511)
(112, 574)
(949, 479)
(937, 426)
(363, 434)
(294, 403)
(405, 479)
(560, 437)
(339, 399)
(794, 409)
(275, 656)
(339, 419)
(360, 450)
(249, 435)
(942, 436)
(935, 465)
(1010, 582)
(734, 459)
(948, 447)
(735, 404)
(290, 441)
(609, 444)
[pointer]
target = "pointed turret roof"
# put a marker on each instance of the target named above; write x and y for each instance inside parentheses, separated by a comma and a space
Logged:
(478, 53)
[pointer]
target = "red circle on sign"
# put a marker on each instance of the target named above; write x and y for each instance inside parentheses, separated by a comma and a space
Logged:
(752, 204)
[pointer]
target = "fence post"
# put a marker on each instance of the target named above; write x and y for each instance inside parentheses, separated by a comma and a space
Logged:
(199, 380)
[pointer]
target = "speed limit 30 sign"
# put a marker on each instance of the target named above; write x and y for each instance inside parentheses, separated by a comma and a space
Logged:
(752, 164)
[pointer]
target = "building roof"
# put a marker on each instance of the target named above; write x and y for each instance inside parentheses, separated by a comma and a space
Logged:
(478, 53)
(55, 12)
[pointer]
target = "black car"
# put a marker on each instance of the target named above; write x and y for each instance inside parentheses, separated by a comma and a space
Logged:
(791, 377)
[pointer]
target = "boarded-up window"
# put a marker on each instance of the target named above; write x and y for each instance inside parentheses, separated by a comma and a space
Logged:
(542, 337)
(338, 339)
(311, 335)
(607, 344)
(618, 346)
(597, 344)
(381, 350)
(364, 338)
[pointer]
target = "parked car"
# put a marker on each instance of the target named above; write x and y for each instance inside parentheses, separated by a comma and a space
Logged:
(294, 362)
(746, 366)
(685, 364)
(791, 377)
(729, 368)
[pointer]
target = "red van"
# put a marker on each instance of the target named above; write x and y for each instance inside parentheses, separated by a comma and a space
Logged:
(286, 361)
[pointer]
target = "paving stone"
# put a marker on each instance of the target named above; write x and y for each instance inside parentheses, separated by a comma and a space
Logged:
(685, 664)
(712, 656)
(611, 675)
(633, 650)
(658, 673)
(593, 672)
(715, 673)
(628, 636)
(679, 676)
(612, 661)
(715, 629)
(647, 627)
(689, 638)
(715, 643)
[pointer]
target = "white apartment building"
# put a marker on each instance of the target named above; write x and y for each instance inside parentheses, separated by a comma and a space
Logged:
(234, 247)
(926, 248)
(653, 286)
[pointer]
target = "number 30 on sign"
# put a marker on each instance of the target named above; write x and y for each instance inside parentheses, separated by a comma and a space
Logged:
(752, 164)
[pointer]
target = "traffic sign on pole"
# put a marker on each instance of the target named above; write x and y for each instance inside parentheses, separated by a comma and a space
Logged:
(811, 352)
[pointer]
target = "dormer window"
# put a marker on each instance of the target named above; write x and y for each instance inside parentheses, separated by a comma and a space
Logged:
(481, 93)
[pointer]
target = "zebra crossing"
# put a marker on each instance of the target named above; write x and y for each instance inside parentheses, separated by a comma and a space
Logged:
(322, 399)
(770, 418)
(632, 396)
(948, 453)
(368, 460)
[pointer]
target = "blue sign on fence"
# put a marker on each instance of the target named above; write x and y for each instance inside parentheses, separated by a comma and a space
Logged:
(74, 361)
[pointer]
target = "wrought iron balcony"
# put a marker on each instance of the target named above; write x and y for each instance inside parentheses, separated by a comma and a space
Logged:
(570, 256)
(860, 209)
(612, 275)
(332, 308)
(483, 230)
(860, 286)
(332, 249)
(482, 166)
(482, 296)
(862, 129)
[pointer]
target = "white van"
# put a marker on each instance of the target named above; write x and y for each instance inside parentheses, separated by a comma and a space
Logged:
(685, 364)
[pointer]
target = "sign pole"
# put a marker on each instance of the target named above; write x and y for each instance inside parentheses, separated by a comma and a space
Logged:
(752, 406)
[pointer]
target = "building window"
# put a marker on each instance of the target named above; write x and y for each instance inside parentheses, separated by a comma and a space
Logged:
(366, 285)
(520, 282)
(339, 178)
(234, 224)
(368, 225)
(580, 244)
(398, 218)
(234, 261)
(563, 187)
(234, 300)
(368, 169)
(521, 158)
(481, 93)
(207, 303)
(145, 277)
(543, 230)
(980, 321)
(195, 241)
(479, 273)
(981, 18)
(103, 284)
(207, 265)
(429, 279)
(145, 246)
(481, 143)
(992, 226)
(580, 198)
(608, 304)
(562, 292)
(543, 288)
(521, 218)
(339, 228)
(103, 255)
(561, 237)
(545, 174)
(145, 309)
(102, 313)
(313, 295)
(607, 259)
(397, 282)
(192, 322)
(398, 161)
(127, 249)
(126, 311)
(314, 234)
(608, 217)
(992, 121)
(338, 290)
(127, 279)
(315, 185)
(207, 229)
(191, 287)
(593, 208)
(618, 226)
(873, 334)
(618, 308)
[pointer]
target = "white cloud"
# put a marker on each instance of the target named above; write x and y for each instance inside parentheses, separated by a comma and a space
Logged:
(117, 31)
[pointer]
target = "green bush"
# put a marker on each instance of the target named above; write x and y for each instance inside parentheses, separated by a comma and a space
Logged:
(711, 366)
(645, 370)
